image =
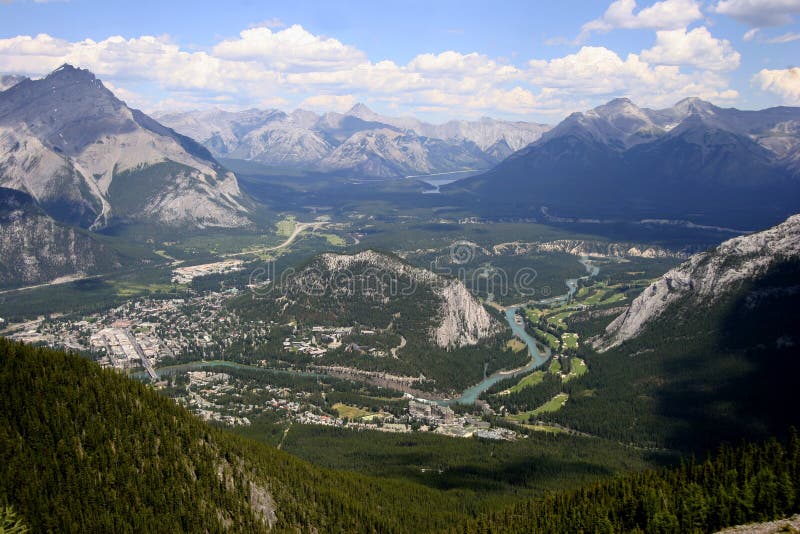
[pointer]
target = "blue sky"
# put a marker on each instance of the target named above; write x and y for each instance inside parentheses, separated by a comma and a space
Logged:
(434, 59)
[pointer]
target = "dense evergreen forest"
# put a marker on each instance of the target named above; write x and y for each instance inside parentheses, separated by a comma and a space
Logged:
(85, 449)
(382, 299)
(750, 483)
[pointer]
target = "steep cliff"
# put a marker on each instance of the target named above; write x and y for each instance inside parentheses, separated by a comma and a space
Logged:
(708, 276)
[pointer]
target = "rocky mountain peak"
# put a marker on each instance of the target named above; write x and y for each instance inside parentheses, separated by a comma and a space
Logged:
(67, 72)
(361, 111)
(622, 113)
(694, 105)
(70, 143)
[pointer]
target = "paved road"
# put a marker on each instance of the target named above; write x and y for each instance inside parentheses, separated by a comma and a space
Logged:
(57, 282)
(148, 365)
(300, 227)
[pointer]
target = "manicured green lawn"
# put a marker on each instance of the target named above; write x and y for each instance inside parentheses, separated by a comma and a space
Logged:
(334, 240)
(531, 380)
(553, 405)
(286, 226)
(570, 340)
(351, 412)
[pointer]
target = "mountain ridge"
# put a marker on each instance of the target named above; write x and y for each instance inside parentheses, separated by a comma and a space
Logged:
(621, 162)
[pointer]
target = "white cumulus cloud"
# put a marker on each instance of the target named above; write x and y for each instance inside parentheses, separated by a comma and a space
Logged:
(782, 82)
(289, 49)
(663, 15)
(697, 48)
(760, 13)
(329, 102)
(596, 70)
(294, 67)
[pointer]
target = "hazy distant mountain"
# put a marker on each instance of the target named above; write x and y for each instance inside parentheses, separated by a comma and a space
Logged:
(387, 152)
(359, 141)
(694, 161)
(485, 132)
(35, 249)
(89, 160)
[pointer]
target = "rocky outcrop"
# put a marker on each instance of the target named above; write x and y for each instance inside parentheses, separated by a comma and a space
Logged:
(587, 248)
(464, 320)
(706, 277)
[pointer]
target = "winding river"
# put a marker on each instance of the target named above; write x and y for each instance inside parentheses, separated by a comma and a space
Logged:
(469, 395)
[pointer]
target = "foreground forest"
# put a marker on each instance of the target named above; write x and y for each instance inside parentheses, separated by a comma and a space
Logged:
(85, 449)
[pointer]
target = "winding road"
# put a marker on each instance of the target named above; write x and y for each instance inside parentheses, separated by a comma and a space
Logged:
(298, 229)
(398, 347)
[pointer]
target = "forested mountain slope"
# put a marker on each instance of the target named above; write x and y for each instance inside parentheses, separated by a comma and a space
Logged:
(439, 329)
(85, 449)
(618, 162)
(34, 248)
(735, 486)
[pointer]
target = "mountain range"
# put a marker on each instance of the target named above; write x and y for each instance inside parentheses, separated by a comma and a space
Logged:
(90, 160)
(359, 141)
(694, 161)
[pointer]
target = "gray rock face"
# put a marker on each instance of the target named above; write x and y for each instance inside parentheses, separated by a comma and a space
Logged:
(707, 276)
(65, 139)
(35, 249)
(358, 141)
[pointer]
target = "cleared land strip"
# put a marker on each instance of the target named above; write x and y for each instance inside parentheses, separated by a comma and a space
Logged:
(300, 227)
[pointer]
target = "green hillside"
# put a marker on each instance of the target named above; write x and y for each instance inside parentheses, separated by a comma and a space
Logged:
(736, 486)
(85, 449)
(399, 305)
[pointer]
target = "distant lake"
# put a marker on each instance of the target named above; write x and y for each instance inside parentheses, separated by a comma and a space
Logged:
(443, 178)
